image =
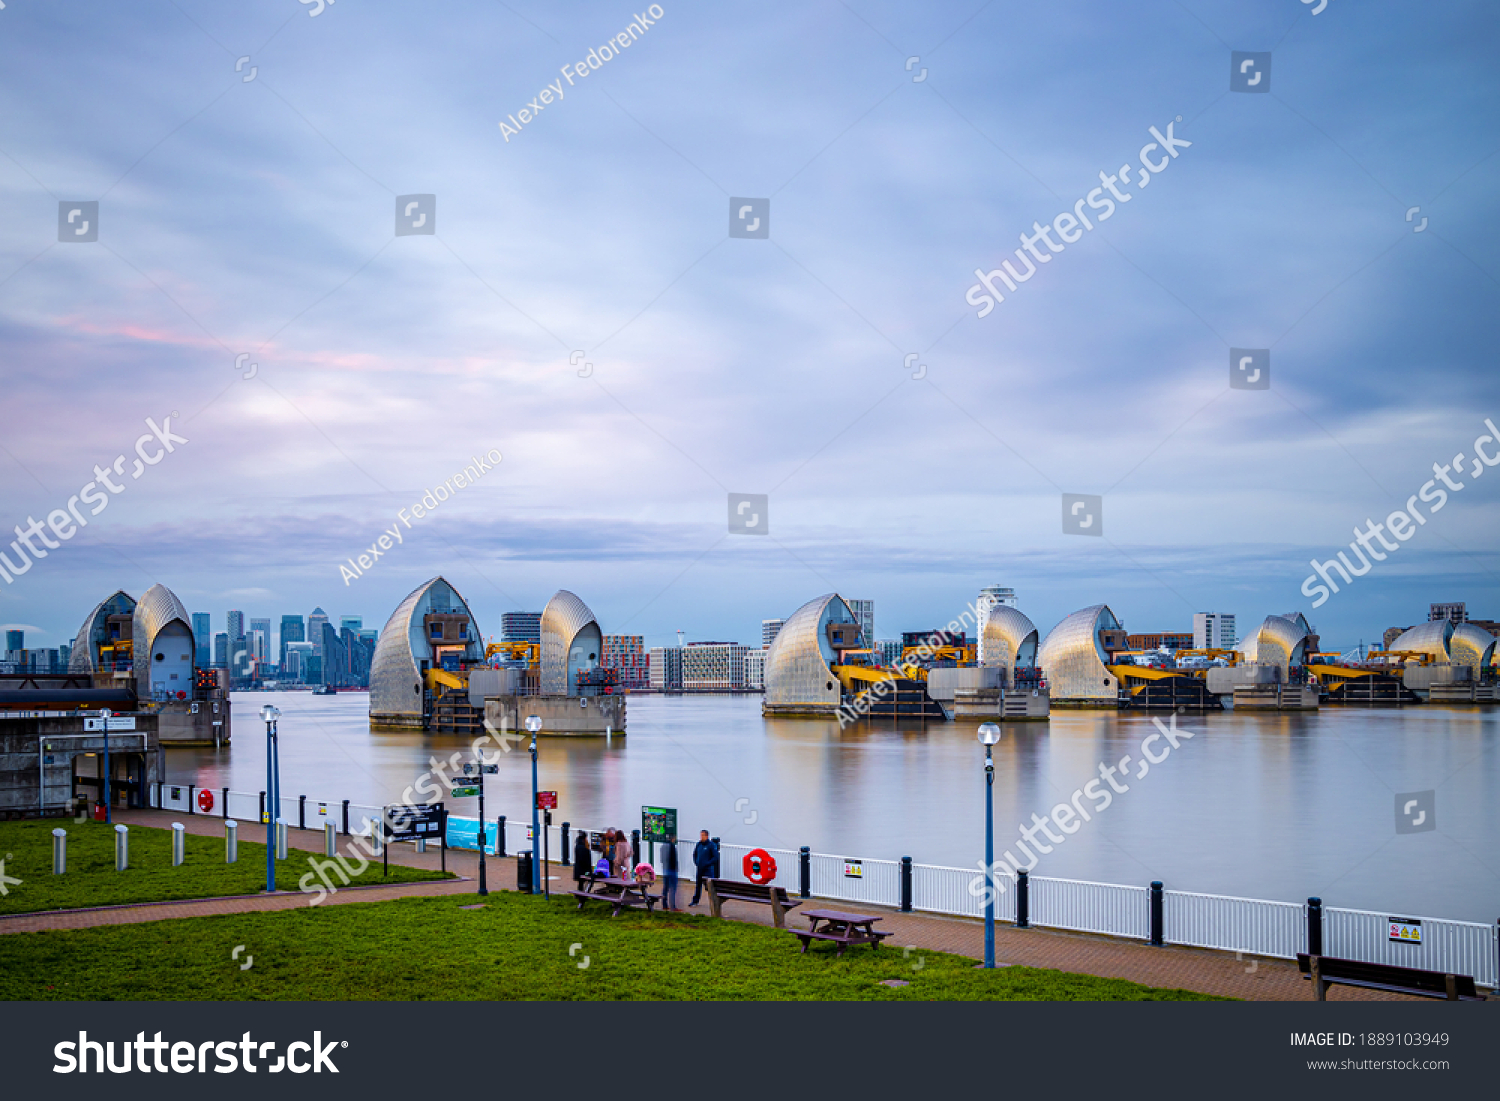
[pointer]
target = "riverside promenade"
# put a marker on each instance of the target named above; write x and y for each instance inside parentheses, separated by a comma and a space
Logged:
(1201, 970)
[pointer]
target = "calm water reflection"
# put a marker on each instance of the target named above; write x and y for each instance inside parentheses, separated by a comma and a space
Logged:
(1269, 806)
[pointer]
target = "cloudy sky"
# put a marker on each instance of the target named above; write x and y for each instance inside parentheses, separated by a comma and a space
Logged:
(582, 308)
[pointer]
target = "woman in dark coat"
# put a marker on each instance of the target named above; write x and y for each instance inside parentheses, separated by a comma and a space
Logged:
(583, 858)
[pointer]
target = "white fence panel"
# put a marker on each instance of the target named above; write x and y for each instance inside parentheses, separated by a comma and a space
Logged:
(1251, 925)
(1452, 947)
(1090, 907)
(244, 807)
(174, 797)
(877, 882)
(941, 890)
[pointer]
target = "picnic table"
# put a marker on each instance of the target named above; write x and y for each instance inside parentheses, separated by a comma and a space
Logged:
(622, 893)
(844, 929)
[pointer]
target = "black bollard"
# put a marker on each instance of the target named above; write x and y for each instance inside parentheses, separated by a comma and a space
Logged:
(804, 871)
(1315, 927)
(1023, 901)
(500, 837)
(906, 884)
(1156, 915)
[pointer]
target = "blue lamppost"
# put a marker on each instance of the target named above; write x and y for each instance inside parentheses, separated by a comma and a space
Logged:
(989, 734)
(105, 714)
(273, 791)
(534, 724)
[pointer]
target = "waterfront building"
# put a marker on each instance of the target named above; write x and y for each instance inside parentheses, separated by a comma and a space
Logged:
(755, 669)
(315, 624)
(713, 666)
(263, 646)
(666, 668)
(889, 650)
(351, 622)
(15, 640)
(768, 631)
(626, 654)
(1213, 631)
(1281, 640)
(294, 659)
(235, 621)
(221, 651)
(1158, 640)
(292, 630)
(1449, 640)
(203, 639)
(1456, 611)
(521, 627)
(991, 596)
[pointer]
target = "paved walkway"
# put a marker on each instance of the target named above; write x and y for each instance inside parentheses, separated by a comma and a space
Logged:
(1202, 970)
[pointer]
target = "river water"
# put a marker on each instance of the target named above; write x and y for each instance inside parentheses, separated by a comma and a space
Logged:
(1275, 806)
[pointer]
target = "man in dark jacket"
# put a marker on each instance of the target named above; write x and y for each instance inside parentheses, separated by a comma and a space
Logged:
(706, 860)
(669, 875)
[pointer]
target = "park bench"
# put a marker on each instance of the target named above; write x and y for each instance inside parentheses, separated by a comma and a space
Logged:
(1326, 971)
(841, 928)
(721, 891)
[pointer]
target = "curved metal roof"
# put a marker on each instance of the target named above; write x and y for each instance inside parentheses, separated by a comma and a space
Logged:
(797, 664)
(562, 619)
(84, 657)
(158, 607)
(1009, 639)
(1430, 638)
(1072, 657)
(395, 670)
(1280, 640)
(1472, 646)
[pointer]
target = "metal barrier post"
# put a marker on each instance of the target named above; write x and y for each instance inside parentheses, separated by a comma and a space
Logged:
(635, 848)
(1156, 913)
(330, 839)
(1315, 927)
(224, 792)
(346, 818)
(302, 812)
(191, 789)
(122, 848)
(179, 846)
(59, 851)
(567, 851)
(906, 884)
(231, 841)
(500, 836)
(1023, 900)
(262, 806)
(281, 839)
(804, 871)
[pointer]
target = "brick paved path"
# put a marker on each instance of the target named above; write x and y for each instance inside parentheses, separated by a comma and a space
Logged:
(1202, 970)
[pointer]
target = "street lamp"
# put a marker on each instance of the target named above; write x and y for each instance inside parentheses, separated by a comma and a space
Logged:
(534, 724)
(106, 714)
(273, 790)
(989, 734)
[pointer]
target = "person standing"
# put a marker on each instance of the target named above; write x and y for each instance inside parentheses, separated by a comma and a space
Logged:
(706, 862)
(669, 875)
(583, 858)
(622, 855)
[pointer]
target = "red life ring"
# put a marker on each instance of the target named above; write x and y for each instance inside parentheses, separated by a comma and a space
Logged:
(205, 800)
(759, 866)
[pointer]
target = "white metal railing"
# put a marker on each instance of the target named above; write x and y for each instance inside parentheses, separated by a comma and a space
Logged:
(1090, 907)
(1452, 947)
(1255, 926)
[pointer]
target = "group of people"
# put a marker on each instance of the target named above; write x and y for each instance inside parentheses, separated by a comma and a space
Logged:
(618, 853)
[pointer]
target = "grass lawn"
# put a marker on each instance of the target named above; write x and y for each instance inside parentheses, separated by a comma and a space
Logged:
(91, 879)
(516, 947)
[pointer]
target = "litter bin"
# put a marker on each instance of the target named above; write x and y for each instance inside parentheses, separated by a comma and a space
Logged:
(523, 871)
(100, 814)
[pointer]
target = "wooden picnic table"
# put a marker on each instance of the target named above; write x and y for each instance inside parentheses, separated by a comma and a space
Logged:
(844, 929)
(622, 893)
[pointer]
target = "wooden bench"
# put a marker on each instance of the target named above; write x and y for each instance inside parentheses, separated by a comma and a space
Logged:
(1326, 971)
(721, 891)
(841, 928)
(621, 893)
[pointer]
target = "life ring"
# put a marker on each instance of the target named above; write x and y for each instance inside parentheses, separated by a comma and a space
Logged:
(759, 866)
(205, 800)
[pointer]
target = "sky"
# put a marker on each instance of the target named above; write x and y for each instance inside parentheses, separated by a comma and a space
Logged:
(581, 307)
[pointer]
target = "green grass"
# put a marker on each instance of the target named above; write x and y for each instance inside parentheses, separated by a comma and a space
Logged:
(91, 879)
(516, 947)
